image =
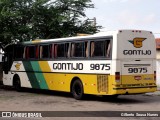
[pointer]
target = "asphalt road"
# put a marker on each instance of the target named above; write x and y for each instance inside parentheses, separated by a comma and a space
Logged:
(40, 100)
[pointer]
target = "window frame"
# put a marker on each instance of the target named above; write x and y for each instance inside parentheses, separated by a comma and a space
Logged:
(102, 57)
(15, 56)
(84, 49)
(50, 51)
(36, 52)
(52, 57)
(55, 53)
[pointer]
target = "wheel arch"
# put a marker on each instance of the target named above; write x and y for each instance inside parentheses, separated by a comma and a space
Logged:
(15, 78)
(72, 81)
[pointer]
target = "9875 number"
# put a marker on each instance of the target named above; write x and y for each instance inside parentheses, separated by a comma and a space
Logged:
(100, 67)
(137, 70)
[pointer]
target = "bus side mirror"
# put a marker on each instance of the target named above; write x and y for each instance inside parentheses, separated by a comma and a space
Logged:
(1, 52)
(4, 64)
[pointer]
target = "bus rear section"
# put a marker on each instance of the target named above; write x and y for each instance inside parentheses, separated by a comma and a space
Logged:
(136, 56)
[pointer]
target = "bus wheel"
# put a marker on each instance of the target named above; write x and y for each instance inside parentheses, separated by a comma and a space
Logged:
(77, 89)
(17, 83)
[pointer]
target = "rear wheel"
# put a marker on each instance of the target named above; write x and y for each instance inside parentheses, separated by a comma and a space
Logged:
(17, 83)
(77, 89)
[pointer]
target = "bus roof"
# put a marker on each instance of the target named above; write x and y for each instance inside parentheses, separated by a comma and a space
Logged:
(100, 34)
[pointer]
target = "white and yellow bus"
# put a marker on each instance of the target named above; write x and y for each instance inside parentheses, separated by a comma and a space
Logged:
(107, 63)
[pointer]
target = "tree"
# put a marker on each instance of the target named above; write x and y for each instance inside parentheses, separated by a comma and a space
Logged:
(26, 20)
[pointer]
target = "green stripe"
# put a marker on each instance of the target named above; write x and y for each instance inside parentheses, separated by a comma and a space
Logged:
(30, 73)
(39, 76)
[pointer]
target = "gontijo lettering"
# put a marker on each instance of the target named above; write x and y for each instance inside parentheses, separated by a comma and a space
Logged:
(137, 52)
(67, 66)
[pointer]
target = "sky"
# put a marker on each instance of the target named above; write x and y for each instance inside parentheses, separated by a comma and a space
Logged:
(127, 14)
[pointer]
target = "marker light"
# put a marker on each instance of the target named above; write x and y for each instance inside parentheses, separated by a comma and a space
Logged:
(117, 76)
(154, 75)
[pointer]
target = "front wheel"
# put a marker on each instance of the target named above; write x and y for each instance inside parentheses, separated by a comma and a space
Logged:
(17, 83)
(77, 90)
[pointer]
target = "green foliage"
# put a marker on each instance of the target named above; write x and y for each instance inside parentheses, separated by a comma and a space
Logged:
(26, 20)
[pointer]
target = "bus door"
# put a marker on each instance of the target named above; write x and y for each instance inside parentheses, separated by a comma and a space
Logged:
(8, 59)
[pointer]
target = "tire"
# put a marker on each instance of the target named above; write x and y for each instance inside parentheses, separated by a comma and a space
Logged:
(17, 84)
(77, 90)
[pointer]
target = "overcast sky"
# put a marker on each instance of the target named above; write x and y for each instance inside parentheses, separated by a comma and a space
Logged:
(127, 14)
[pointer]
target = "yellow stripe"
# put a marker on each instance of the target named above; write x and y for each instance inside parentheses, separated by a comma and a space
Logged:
(48, 77)
(55, 81)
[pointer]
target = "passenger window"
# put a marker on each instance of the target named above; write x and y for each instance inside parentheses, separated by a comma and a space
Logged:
(79, 49)
(55, 51)
(100, 48)
(18, 52)
(61, 50)
(45, 51)
(31, 52)
(67, 50)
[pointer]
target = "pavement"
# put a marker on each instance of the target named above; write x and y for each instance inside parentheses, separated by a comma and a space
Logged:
(157, 93)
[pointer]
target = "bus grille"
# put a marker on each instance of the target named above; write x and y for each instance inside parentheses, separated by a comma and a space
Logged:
(102, 83)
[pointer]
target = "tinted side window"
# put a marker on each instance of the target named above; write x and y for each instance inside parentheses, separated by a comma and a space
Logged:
(78, 49)
(100, 48)
(61, 50)
(18, 52)
(45, 51)
(31, 52)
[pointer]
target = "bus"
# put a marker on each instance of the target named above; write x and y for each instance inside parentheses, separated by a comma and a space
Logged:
(108, 63)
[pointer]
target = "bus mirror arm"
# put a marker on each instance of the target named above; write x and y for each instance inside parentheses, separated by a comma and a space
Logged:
(4, 46)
